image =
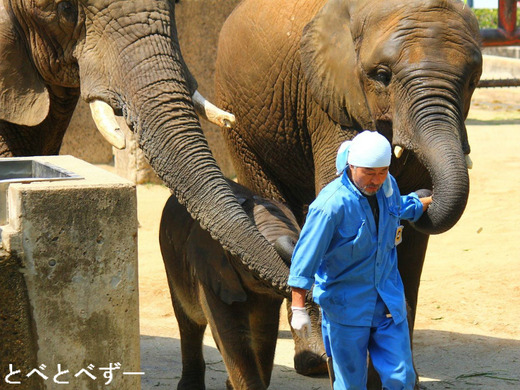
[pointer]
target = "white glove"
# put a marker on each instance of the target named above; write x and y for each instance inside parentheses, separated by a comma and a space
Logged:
(301, 322)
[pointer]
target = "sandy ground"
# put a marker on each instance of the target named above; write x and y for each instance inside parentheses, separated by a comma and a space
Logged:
(468, 323)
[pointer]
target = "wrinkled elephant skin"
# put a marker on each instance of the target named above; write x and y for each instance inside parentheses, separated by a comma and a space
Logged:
(303, 76)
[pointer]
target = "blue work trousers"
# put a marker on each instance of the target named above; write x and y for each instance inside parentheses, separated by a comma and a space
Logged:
(389, 347)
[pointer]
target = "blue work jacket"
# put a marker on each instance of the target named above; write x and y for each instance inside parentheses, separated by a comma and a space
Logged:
(346, 258)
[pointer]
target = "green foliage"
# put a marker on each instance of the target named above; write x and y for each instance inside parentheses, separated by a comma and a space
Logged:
(488, 18)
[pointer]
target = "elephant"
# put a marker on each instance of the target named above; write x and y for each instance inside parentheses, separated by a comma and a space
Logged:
(123, 58)
(303, 76)
(207, 287)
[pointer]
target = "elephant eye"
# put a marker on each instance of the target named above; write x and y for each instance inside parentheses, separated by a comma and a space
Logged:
(68, 12)
(383, 75)
(473, 82)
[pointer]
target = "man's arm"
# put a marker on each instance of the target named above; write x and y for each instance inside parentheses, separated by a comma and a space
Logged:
(415, 204)
(308, 253)
(310, 249)
(298, 297)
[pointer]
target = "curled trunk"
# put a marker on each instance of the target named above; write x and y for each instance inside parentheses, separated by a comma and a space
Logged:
(441, 153)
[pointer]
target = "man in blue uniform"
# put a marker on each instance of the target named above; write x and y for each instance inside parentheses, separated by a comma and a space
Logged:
(347, 251)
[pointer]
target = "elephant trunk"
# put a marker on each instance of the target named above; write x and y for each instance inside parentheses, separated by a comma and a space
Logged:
(441, 152)
(171, 138)
(153, 88)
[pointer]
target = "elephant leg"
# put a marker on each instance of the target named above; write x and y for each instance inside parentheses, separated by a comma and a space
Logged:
(193, 365)
(373, 380)
(192, 335)
(264, 320)
(411, 255)
(231, 330)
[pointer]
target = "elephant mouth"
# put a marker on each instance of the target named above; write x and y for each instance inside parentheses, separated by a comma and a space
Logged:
(401, 159)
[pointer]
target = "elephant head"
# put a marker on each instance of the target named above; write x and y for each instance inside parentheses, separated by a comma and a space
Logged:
(121, 56)
(407, 69)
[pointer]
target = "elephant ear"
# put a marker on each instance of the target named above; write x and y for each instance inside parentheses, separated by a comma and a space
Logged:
(24, 98)
(329, 62)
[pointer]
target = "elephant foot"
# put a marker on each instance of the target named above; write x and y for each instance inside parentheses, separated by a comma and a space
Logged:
(373, 383)
(192, 383)
(244, 386)
(309, 363)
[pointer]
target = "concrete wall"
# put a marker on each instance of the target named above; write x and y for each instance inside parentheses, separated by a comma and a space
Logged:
(71, 247)
(198, 23)
(503, 51)
(498, 67)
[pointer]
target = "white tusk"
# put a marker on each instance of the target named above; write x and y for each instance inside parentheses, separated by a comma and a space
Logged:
(469, 163)
(106, 123)
(211, 112)
(398, 151)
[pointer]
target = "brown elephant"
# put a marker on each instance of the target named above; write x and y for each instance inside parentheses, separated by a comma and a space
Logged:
(302, 76)
(207, 287)
(122, 57)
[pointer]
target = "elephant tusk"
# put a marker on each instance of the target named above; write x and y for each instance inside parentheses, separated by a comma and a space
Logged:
(398, 151)
(106, 123)
(469, 163)
(211, 112)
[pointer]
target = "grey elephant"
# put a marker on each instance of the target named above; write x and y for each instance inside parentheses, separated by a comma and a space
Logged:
(303, 76)
(207, 287)
(122, 57)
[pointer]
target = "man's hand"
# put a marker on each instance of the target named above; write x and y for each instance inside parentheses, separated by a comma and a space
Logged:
(426, 202)
(301, 322)
(425, 196)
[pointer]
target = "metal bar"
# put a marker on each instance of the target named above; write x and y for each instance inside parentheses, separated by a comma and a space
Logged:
(496, 83)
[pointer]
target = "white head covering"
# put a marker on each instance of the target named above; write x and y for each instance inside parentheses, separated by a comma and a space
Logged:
(368, 149)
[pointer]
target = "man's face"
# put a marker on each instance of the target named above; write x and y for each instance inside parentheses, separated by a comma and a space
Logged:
(368, 180)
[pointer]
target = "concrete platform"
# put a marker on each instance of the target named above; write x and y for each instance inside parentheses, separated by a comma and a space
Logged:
(68, 281)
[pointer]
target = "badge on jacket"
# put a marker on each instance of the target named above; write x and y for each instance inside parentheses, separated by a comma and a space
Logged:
(399, 235)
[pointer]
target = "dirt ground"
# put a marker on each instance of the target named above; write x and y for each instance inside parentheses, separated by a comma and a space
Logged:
(467, 333)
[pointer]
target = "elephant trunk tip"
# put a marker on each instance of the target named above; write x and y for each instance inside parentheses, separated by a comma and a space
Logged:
(441, 216)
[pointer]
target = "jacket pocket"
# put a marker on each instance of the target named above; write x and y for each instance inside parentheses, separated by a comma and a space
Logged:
(363, 244)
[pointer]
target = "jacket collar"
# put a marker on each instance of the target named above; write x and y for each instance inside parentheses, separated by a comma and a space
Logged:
(345, 180)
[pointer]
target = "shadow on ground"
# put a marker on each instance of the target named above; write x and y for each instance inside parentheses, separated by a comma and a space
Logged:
(481, 363)
(161, 362)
